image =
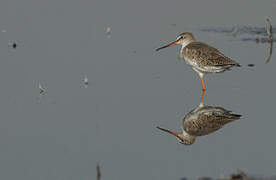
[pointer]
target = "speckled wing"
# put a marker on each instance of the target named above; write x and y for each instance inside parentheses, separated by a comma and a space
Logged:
(209, 121)
(205, 55)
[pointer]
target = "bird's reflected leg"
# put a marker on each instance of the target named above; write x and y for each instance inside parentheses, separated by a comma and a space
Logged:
(202, 97)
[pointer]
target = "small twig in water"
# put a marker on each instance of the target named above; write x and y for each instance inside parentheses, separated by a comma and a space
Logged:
(98, 172)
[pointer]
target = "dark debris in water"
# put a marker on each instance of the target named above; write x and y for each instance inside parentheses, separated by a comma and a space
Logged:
(99, 174)
(13, 45)
(258, 39)
(205, 178)
(239, 30)
(245, 33)
(251, 65)
(240, 175)
(183, 178)
(41, 89)
(249, 33)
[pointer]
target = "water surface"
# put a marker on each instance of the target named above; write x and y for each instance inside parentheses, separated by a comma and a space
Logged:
(132, 89)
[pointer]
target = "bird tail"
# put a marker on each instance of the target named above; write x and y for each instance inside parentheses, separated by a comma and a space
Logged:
(237, 64)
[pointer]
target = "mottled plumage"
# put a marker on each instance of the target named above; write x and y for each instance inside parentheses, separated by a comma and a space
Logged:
(202, 57)
(205, 58)
(206, 119)
(202, 121)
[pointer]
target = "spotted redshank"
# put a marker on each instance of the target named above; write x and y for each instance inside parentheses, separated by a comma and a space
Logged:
(202, 121)
(202, 57)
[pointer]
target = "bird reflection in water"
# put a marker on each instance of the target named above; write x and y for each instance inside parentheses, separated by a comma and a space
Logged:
(202, 121)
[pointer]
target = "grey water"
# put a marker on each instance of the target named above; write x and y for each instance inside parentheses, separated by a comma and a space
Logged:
(66, 131)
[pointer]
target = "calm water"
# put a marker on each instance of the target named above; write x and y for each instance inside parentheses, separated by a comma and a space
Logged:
(132, 89)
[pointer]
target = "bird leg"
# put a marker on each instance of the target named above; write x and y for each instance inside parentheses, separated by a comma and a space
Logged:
(202, 82)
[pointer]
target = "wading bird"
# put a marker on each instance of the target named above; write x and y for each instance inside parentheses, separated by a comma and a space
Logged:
(202, 57)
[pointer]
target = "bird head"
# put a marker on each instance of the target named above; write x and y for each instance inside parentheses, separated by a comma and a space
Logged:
(183, 39)
(183, 138)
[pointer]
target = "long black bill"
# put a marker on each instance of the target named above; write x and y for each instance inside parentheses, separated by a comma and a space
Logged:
(171, 44)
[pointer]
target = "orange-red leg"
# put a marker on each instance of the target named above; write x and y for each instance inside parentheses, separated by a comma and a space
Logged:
(202, 96)
(203, 85)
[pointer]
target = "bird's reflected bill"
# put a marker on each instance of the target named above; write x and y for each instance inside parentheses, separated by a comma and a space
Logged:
(168, 45)
(168, 131)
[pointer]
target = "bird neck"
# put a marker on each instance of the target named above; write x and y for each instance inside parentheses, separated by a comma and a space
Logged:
(185, 43)
(188, 139)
